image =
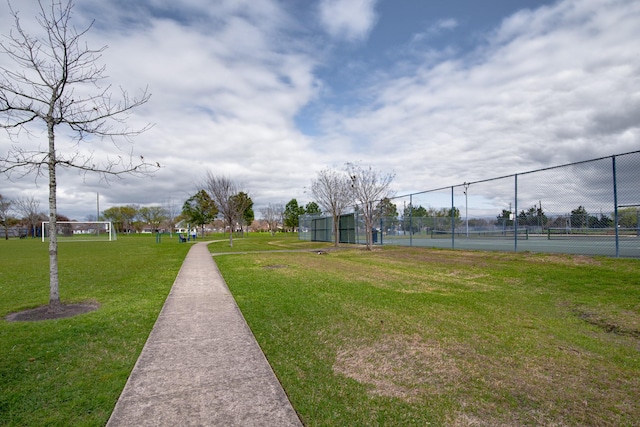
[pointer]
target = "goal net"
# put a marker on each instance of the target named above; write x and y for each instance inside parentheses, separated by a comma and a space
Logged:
(78, 231)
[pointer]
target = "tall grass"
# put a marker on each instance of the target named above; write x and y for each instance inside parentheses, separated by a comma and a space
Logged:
(411, 336)
(71, 371)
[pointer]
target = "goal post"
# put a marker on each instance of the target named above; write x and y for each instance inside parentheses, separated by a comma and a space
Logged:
(81, 231)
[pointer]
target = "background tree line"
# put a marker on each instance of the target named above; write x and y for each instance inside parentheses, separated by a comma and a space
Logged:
(578, 218)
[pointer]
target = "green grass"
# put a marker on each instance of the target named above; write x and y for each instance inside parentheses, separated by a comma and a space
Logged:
(71, 371)
(412, 336)
(397, 336)
(254, 242)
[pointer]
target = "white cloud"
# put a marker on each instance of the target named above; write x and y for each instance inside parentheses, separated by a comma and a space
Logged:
(224, 98)
(551, 86)
(351, 20)
(229, 79)
(434, 30)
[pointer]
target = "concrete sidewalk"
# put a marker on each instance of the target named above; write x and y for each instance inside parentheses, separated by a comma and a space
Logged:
(201, 365)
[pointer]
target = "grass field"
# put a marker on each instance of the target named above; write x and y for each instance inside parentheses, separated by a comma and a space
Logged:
(396, 336)
(411, 336)
(71, 371)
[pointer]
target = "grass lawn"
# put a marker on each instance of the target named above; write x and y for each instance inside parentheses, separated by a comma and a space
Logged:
(413, 336)
(397, 336)
(71, 371)
(256, 242)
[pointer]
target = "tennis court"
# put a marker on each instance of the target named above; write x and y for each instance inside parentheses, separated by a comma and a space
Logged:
(628, 245)
(590, 207)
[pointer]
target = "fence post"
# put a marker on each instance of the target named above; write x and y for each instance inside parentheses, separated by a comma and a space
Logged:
(615, 206)
(356, 220)
(515, 217)
(453, 223)
(410, 219)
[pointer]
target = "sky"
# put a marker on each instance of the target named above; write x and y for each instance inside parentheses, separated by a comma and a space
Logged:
(269, 92)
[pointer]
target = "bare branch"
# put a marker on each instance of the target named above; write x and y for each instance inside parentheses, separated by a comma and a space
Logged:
(223, 190)
(331, 190)
(273, 215)
(368, 187)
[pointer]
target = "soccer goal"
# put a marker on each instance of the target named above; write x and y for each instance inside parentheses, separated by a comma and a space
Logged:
(78, 231)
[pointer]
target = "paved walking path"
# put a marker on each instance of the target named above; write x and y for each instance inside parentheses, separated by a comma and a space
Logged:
(201, 365)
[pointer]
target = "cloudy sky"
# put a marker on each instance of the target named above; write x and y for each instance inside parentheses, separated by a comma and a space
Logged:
(268, 92)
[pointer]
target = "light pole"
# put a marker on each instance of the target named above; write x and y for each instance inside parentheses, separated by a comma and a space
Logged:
(466, 206)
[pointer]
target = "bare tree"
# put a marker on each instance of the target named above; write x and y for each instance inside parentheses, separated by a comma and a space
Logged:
(56, 81)
(29, 209)
(172, 210)
(332, 191)
(273, 214)
(5, 208)
(223, 190)
(369, 186)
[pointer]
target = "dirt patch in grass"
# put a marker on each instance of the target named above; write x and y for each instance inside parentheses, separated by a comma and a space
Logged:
(483, 259)
(490, 389)
(612, 320)
(46, 313)
(608, 324)
(562, 259)
(439, 257)
(403, 367)
(396, 273)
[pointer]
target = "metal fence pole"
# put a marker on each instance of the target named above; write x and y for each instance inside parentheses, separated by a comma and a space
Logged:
(615, 206)
(411, 220)
(515, 217)
(466, 207)
(453, 223)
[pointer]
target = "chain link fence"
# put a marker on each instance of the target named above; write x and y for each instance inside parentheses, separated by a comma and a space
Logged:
(590, 207)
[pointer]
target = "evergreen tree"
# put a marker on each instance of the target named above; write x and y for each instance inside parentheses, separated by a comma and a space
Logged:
(312, 208)
(291, 213)
(199, 209)
(247, 216)
(504, 219)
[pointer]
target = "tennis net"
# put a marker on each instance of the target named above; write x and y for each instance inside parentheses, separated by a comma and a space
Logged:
(508, 234)
(590, 233)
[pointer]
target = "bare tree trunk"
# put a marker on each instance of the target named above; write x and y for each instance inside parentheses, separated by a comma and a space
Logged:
(5, 204)
(369, 225)
(54, 284)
